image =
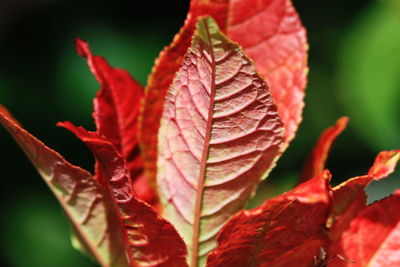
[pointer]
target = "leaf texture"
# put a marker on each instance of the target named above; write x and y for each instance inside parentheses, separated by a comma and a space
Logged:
(149, 239)
(220, 133)
(347, 193)
(288, 230)
(373, 237)
(116, 111)
(315, 163)
(167, 64)
(349, 198)
(84, 202)
(270, 33)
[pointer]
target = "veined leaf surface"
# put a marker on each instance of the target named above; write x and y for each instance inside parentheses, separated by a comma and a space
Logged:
(86, 205)
(270, 33)
(165, 67)
(149, 239)
(288, 230)
(220, 133)
(116, 111)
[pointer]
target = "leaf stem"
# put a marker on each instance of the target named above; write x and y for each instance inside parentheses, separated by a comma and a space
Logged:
(202, 174)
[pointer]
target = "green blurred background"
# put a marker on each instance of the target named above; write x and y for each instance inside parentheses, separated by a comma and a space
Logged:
(354, 71)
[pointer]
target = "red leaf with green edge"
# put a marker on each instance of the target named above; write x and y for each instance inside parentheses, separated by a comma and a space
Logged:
(167, 64)
(349, 198)
(87, 206)
(149, 239)
(116, 111)
(316, 161)
(288, 230)
(373, 237)
(219, 135)
(270, 33)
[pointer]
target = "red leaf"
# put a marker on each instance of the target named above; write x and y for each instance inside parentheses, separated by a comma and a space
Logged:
(167, 64)
(288, 230)
(219, 135)
(373, 237)
(116, 111)
(270, 33)
(149, 239)
(349, 198)
(384, 164)
(316, 161)
(84, 202)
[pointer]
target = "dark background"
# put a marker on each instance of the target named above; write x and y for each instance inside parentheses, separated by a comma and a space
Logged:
(354, 70)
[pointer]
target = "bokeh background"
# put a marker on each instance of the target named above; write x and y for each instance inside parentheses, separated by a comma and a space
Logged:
(354, 71)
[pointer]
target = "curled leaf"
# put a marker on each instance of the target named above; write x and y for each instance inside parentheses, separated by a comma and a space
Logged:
(372, 238)
(116, 111)
(349, 198)
(316, 161)
(149, 239)
(288, 230)
(85, 203)
(220, 134)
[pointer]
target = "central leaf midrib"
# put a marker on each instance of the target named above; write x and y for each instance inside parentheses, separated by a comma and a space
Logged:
(203, 163)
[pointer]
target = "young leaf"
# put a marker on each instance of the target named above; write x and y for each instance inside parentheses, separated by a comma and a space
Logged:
(288, 230)
(316, 161)
(220, 133)
(167, 64)
(373, 236)
(270, 33)
(116, 111)
(149, 239)
(86, 205)
(349, 198)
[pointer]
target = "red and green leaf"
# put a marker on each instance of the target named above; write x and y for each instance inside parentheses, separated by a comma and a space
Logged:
(288, 230)
(373, 237)
(220, 134)
(315, 163)
(85, 203)
(167, 64)
(149, 239)
(116, 111)
(270, 33)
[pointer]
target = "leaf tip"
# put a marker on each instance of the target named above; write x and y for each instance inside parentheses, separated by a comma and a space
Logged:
(82, 48)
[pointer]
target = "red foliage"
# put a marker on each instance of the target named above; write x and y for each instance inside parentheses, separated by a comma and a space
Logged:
(222, 108)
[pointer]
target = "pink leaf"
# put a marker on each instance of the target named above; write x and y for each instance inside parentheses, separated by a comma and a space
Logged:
(220, 134)
(271, 34)
(167, 64)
